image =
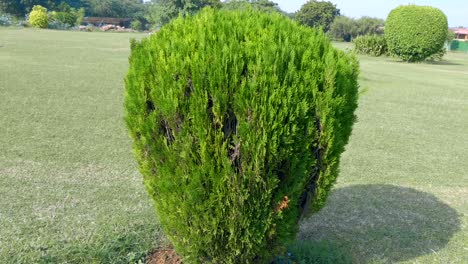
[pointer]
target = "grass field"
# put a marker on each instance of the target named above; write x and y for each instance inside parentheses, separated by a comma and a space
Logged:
(70, 191)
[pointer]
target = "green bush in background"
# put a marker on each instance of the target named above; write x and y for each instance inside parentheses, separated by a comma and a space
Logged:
(373, 45)
(414, 33)
(38, 17)
(238, 121)
(136, 25)
(67, 15)
(346, 28)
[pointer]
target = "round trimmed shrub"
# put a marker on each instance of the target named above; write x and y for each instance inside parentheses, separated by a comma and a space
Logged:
(238, 120)
(414, 33)
(38, 17)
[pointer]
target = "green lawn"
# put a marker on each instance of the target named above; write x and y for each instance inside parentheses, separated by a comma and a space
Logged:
(70, 191)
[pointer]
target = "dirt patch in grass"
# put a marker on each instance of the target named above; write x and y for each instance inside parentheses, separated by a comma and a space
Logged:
(164, 256)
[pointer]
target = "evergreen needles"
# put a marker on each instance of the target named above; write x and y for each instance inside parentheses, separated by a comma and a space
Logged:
(238, 121)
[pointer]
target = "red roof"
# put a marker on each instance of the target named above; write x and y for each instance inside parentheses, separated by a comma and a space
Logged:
(461, 31)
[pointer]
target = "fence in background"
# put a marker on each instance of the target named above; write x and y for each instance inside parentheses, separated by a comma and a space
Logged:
(459, 46)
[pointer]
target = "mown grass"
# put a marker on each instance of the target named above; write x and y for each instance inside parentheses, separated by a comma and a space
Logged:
(68, 184)
(402, 192)
(70, 191)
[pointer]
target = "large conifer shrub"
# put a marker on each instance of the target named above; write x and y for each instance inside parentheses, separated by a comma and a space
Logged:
(414, 33)
(238, 121)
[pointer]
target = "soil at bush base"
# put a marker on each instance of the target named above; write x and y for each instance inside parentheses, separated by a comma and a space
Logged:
(164, 256)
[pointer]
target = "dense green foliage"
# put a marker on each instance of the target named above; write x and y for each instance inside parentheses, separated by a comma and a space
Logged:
(99, 8)
(162, 11)
(414, 33)
(317, 14)
(450, 36)
(345, 28)
(38, 17)
(136, 25)
(147, 14)
(115, 8)
(67, 15)
(238, 121)
(21, 7)
(373, 45)
(262, 5)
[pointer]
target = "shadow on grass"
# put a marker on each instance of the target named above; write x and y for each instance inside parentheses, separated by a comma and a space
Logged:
(307, 252)
(382, 223)
(443, 62)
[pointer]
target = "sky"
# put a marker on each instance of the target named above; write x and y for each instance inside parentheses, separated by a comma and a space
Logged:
(456, 10)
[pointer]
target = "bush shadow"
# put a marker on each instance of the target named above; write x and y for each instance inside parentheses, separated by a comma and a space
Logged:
(442, 62)
(383, 223)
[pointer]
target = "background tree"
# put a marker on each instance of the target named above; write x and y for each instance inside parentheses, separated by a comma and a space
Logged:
(317, 14)
(15, 8)
(370, 26)
(346, 29)
(343, 28)
(161, 12)
(20, 8)
(66, 14)
(114, 8)
(262, 5)
(450, 36)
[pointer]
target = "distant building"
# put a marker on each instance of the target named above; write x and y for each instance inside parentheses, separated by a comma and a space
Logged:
(461, 34)
(460, 43)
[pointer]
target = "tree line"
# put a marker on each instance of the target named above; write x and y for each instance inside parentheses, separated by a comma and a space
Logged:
(156, 13)
(102, 8)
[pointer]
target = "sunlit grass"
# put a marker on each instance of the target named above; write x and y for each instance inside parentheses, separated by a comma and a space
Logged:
(70, 191)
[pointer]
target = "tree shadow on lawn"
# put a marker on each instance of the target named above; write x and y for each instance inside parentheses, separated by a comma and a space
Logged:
(383, 223)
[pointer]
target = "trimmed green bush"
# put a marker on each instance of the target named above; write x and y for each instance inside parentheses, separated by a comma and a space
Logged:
(372, 45)
(38, 17)
(414, 33)
(238, 120)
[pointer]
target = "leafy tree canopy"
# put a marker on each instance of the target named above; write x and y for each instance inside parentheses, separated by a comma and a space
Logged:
(100, 8)
(21, 7)
(317, 14)
(162, 11)
(262, 5)
(346, 28)
(114, 8)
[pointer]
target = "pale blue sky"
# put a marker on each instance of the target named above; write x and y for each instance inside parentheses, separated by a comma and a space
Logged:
(456, 10)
